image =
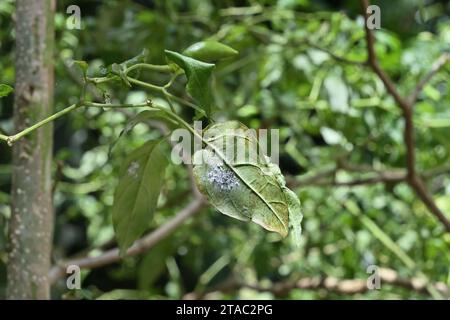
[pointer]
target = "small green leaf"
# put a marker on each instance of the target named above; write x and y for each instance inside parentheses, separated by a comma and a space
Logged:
(136, 196)
(247, 187)
(5, 90)
(210, 51)
(198, 75)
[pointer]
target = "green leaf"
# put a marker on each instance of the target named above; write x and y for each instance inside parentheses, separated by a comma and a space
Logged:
(248, 188)
(198, 75)
(136, 196)
(5, 90)
(210, 51)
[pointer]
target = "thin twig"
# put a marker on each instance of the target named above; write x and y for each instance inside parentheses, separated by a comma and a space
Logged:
(406, 105)
(152, 67)
(328, 284)
(327, 176)
(419, 187)
(373, 61)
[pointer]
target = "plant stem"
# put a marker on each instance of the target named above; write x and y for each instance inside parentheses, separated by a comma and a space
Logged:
(171, 81)
(11, 139)
(162, 90)
(165, 93)
(116, 105)
(179, 120)
(153, 67)
(145, 84)
(162, 68)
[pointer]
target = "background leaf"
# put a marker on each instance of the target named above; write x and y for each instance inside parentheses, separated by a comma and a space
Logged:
(136, 196)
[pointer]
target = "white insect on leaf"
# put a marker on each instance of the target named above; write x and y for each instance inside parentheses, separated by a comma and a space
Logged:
(133, 169)
(223, 177)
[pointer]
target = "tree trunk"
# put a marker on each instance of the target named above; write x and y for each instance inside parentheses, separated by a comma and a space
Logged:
(31, 224)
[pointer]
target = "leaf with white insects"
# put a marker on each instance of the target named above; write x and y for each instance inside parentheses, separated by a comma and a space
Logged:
(242, 184)
(136, 196)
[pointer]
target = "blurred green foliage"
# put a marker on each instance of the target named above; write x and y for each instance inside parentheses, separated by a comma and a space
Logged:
(327, 112)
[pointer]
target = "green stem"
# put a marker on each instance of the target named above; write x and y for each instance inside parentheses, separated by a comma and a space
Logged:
(145, 84)
(11, 139)
(171, 81)
(153, 67)
(116, 105)
(211, 272)
(180, 121)
(162, 90)
(165, 93)
(161, 68)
